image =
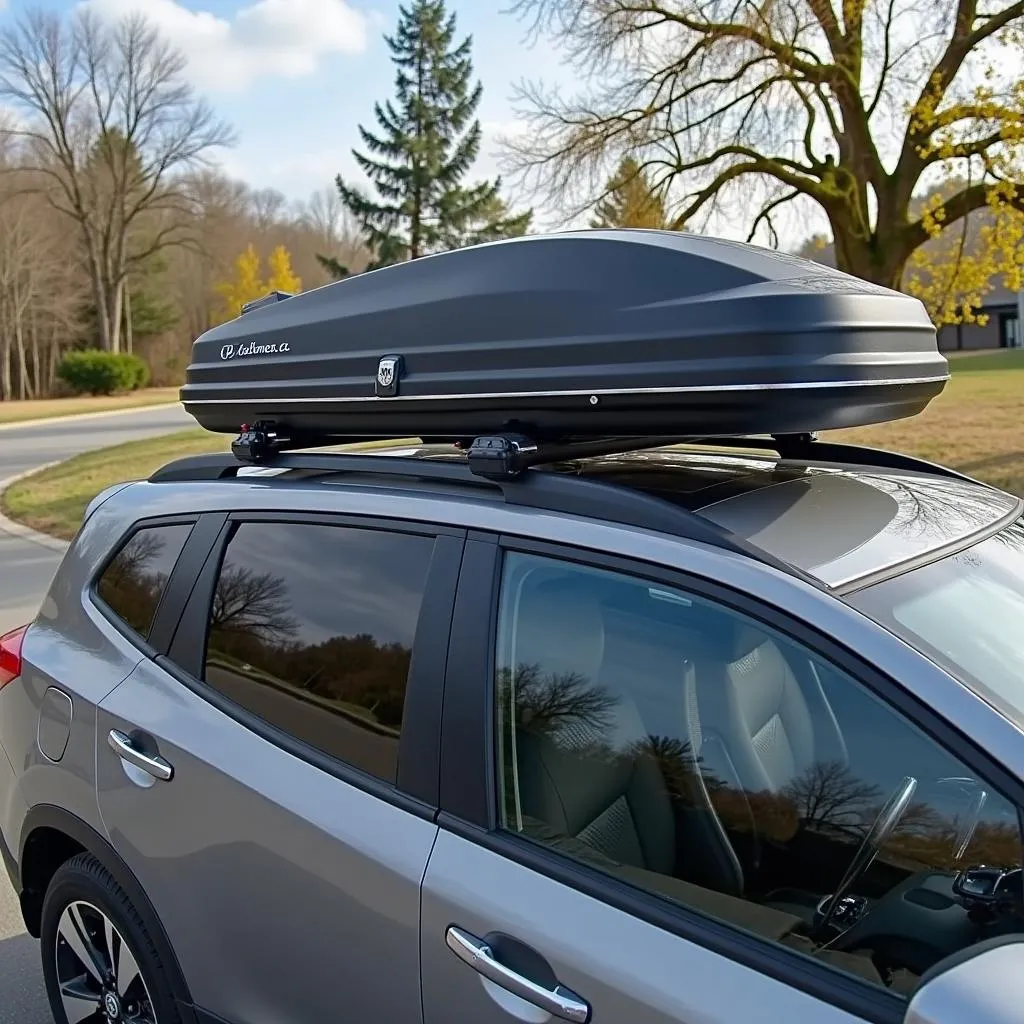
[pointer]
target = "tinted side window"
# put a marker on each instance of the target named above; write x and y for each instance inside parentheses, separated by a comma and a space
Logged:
(133, 583)
(312, 630)
(704, 757)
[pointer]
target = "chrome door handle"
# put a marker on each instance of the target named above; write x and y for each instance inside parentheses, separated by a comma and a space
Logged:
(155, 766)
(559, 1002)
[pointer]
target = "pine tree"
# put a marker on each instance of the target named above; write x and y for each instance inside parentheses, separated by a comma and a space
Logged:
(629, 201)
(427, 144)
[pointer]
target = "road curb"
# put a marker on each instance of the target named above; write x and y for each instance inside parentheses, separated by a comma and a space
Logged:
(79, 416)
(9, 526)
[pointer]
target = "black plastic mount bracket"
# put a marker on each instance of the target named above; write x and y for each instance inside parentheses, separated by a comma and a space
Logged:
(256, 443)
(500, 456)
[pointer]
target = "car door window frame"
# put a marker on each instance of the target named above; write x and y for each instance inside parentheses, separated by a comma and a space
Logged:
(469, 785)
(416, 787)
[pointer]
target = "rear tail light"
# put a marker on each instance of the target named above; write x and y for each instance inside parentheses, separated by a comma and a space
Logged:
(10, 654)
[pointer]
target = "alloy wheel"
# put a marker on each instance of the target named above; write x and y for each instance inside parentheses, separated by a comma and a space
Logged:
(97, 974)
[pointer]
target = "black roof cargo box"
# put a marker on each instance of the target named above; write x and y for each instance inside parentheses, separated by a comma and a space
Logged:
(573, 335)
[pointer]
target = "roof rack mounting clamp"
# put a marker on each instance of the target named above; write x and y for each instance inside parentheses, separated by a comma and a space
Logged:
(256, 443)
(794, 445)
(501, 456)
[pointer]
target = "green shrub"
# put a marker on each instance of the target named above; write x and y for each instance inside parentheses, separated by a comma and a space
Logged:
(94, 372)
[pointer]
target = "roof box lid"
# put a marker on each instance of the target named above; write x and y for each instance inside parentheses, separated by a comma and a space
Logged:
(574, 334)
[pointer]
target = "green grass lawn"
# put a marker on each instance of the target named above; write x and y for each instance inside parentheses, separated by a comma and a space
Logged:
(976, 425)
(54, 500)
(45, 408)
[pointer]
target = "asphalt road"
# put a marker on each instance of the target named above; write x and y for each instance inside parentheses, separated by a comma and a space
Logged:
(26, 568)
(25, 572)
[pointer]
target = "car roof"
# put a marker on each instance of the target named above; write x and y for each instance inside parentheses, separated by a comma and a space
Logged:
(844, 524)
(836, 522)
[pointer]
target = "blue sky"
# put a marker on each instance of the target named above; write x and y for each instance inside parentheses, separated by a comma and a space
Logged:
(295, 77)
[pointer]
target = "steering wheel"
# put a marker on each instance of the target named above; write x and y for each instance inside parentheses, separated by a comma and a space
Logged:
(881, 828)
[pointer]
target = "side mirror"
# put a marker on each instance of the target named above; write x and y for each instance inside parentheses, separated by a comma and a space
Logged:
(983, 984)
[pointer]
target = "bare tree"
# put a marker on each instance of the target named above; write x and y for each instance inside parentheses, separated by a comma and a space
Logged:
(220, 229)
(851, 107)
(268, 207)
(252, 604)
(40, 298)
(108, 120)
(340, 244)
(326, 215)
(829, 795)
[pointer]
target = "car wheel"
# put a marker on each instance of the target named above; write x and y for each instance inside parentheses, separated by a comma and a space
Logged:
(99, 963)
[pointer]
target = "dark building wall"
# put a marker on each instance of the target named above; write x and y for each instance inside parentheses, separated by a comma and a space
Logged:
(978, 336)
(970, 336)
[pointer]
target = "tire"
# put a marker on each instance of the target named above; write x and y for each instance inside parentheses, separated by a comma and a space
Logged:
(125, 984)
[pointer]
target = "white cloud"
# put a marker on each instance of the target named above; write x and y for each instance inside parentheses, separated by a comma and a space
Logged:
(272, 38)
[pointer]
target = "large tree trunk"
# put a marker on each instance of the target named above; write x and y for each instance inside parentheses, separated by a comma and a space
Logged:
(880, 258)
(37, 379)
(24, 384)
(6, 383)
(19, 305)
(128, 339)
(53, 359)
(99, 295)
(115, 293)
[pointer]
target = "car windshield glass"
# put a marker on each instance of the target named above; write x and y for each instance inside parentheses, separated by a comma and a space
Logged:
(966, 611)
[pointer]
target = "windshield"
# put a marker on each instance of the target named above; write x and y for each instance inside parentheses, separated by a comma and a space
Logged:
(965, 611)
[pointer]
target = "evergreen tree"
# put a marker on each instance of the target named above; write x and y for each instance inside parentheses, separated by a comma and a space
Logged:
(427, 143)
(629, 201)
(148, 310)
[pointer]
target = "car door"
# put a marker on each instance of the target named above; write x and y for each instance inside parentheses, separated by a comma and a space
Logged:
(652, 786)
(271, 780)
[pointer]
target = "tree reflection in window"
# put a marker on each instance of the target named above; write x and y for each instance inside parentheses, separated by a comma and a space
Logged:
(311, 628)
(624, 730)
(131, 586)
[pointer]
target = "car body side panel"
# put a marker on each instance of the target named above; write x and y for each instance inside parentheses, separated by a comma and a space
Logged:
(13, 808)
(83, 660)
(629, 971)
(921, 678)
(73, 647)
(287, 894)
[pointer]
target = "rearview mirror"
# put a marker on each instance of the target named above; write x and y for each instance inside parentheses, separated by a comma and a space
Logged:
(983, 984)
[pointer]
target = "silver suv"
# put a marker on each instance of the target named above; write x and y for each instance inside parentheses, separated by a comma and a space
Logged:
(682, 734)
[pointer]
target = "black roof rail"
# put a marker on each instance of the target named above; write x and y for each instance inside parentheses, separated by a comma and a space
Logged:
(550, 492)
(807, 447)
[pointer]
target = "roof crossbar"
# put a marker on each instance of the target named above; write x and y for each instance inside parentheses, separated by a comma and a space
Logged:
(807, 447)
(507, 454)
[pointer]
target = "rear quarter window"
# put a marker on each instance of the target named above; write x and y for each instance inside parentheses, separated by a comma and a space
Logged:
(134, 581)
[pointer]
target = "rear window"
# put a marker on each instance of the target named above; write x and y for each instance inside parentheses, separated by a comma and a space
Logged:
(133, 583)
